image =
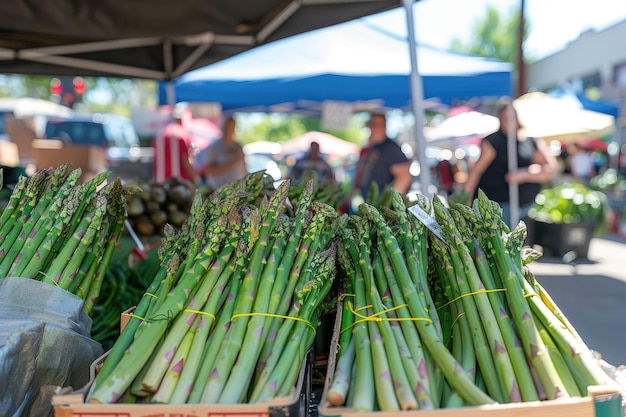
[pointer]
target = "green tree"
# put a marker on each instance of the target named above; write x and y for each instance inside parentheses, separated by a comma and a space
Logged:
(279, 127)
(107, 95)
(494, 36)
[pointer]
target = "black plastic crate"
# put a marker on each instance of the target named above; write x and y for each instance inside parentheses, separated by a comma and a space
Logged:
(557, 239)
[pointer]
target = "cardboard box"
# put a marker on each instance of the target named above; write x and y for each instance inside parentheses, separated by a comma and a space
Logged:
(72, 404)
(22, 132)
(9, 154)
(601, 402)
(91, 159)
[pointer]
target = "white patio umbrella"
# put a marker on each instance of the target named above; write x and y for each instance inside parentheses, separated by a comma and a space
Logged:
(547, 117)
(460, 126)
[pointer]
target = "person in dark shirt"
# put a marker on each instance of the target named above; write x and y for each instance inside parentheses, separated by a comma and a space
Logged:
(490, 173)
(382, 162)
(313, 161)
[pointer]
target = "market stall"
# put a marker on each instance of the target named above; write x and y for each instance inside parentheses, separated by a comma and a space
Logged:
(228, 320)
(249, 274)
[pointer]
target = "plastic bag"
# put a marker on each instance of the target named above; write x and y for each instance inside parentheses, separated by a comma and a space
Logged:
(64, 352)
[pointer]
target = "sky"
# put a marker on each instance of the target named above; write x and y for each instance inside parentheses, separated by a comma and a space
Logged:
(554, 23)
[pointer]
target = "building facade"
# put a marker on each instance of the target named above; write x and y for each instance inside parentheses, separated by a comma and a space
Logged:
(595, 62)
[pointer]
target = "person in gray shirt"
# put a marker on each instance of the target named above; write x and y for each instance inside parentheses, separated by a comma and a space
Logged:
(223, 161)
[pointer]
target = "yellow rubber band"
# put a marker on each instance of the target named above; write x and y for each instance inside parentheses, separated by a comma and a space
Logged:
(457, 319)
(356, 312)
(468, 294)
(204, 313)
(531, 295)
(275, 316)
(82, 292)
(133, 315)
(150, 295)
(343, 296)
(53, 281)
(375, 317)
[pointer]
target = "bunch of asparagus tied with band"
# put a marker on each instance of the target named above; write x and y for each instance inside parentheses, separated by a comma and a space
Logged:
(433, 323)
(232, 312)
(58, 231)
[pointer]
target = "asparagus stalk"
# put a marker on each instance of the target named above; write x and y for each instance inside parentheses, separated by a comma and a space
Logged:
(534, 347)
(93, 280)
(239, 379)
(462, 346)
(84, 240)
(430, 337)
(216, 336)
(166, 387)
(383, 380)
(284, 283)
(342, 377)
(230, 347)
(283, 376)
(364, 387)
(11, 238)
(347, 316)
(513, 345)
(108, 390)
(42, 203)
(418, 372)
(276, 344)
(206, 323)
(484, 348)
(11, 211)
(315, 236)
(567, 343)
(559, 362)
(404, 390)
(186, 319)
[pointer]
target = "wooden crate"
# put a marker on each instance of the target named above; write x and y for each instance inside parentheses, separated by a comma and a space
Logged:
(72, 404)
(601, 402)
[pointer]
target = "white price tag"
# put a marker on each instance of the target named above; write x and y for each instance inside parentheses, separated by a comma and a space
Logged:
(335, 114)
(428, 221)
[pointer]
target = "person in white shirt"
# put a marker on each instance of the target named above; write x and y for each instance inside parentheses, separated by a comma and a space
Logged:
(581, 164)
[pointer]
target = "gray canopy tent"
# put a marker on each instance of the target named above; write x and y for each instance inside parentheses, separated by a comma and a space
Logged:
(154, 39)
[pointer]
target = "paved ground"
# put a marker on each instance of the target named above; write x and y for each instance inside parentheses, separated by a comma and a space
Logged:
(592, 294)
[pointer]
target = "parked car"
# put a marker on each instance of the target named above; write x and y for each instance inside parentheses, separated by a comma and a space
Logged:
(125, 157)
(114, 132)
(3, 128)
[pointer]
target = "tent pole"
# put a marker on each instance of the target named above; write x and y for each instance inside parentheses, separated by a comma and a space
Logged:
(417, 96)
(170, 93)
(512, 166)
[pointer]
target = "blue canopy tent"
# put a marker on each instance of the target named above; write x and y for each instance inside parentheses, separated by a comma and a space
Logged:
(600, 106)
(568, 91)
(351, 62)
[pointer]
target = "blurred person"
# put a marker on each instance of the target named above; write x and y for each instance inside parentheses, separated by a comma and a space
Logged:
(223, 161)
(490, 173)
(313, 161)
(381, 162)
(172, 154)
(581, 163)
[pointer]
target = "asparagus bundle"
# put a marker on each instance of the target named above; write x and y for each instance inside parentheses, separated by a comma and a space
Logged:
(329, 193)
(61, 232)
(233, 310)
(430, 323)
